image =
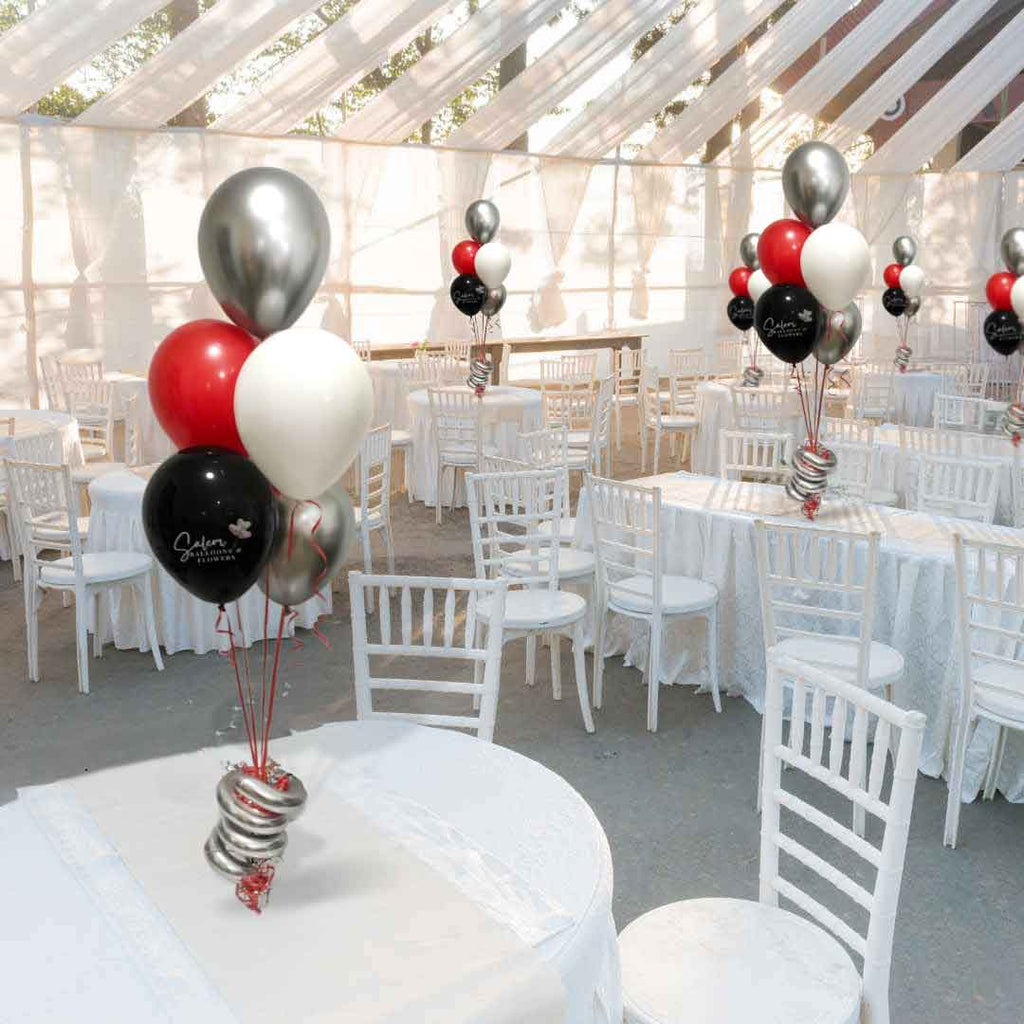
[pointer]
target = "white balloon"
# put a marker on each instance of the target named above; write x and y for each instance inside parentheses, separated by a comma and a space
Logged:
(836, 263)
(1016, 297)
(493, 262)
(758, 284)
(912, 281)
(303, 403)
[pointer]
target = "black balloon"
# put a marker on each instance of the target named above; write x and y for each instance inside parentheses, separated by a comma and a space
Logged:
(469, 294)
(895, 301)
(741, 312)
(210, 516)
(789, 320)
(1002, 331)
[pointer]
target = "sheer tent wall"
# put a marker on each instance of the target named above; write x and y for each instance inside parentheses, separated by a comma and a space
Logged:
(108, 255)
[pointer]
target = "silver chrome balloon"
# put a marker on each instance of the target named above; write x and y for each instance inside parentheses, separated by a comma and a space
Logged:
(296, 569)
(815, 179)
(264, 240)
(904, 249)
(902, 358)
(913, 305)
(748, 250)
(482, 220)
(752, 376)
(841, 333)
(1012, 249)
(253, 818)
(480, 371)
(495, 300)
(1013, 421)
(811, 468)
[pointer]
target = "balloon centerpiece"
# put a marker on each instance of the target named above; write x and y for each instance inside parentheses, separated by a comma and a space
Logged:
(814, 268)
(268, 417)
(1002, 329)
(741, 306)
(901, 299)
(482, 263)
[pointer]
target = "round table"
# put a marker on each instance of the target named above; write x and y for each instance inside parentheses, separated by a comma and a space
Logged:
(390, 397)
(505, 413)
(183, 622)
(913, 395)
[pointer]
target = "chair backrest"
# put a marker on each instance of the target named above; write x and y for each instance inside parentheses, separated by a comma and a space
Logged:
(817, 583)
(49, 374)
(625, 524)
(966, 488)
(400, 649)
(411, 374)
(761, 409)
(441, 369)
(455, 420)
(601, 421)
(650, 395)
(871, 393)
(855, 470)
(928, 440)
(132, 432)
(74, 372)
(569, 368)
(40, 446)
(91, 402)
(746, 455)
(838, 428)
(44, 507)
(686, 362)
(364, 350)
(375, 476)
(968, 380)
(733, 356)
(627, 365)
(953, 412)
(815, 695)
(514, 520)
(458, 349)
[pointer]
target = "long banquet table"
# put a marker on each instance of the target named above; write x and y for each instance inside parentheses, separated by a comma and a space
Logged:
(708, 531)
(432, 877)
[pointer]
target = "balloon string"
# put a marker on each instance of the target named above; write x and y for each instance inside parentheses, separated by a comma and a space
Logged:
(273, 692)
(317, 631)
(798, 377)
(266, 641)
(250, 732)
(245, 666)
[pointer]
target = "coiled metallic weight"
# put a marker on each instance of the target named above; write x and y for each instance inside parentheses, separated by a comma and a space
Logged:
(811, 467)
(902, 358)
(752, 377)
(1013, 421)
(480, 371)
(253, 817)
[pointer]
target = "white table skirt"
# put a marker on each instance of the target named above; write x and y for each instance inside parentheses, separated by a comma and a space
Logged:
(390, 398)
(506, 412)
(482, 857)
(913, 396)
(708, 532)
(155, 444)
(184, 623)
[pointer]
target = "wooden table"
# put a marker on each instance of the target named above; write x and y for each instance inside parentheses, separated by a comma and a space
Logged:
(495, 346)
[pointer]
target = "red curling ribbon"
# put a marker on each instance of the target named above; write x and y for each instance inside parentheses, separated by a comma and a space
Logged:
(811, 506)
(1015, 440)
(254, 889)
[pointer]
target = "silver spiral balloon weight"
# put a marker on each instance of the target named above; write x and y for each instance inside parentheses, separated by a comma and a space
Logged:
(811, 468)
(251, 833)
(902, 358)
(1013, 421)
(752, 376)
(480, 371)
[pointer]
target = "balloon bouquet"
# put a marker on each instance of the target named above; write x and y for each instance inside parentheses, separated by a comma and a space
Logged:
(741, 306)
(268, 417)
(1005, 293)
(482, 264)
(902, 297)
(814, 268)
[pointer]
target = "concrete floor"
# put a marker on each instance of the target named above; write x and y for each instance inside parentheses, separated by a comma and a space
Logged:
(677, 806)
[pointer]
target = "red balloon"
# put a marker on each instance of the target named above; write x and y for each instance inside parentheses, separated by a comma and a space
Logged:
(891, 275)
(738, 281)
(192, 383)
(998, 289)
(778, 249)
(464, 256)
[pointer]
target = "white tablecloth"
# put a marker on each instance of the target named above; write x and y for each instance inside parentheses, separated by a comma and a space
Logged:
(432, 877)
(708, 532)
(913, 395)
(183, 622)
(390, 398)
(156, 445)
(506, 412)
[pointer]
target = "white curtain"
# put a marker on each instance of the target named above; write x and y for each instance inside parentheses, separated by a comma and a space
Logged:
(1001, 148)
(897, 79)
(330, 63)
(939, 120)
(704, 34)
(494, 31)
(578, 55)
(744, 79)
(48, 46)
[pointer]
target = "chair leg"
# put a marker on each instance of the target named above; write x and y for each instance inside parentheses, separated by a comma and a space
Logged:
(405, 473)
(439, 477)
(956, 783)
(617, 413)
(531, 659)
(97, 625)
(760, 768)
(478, 666)
(653, 672)
(554, 642)
(600, 614)
(713, 656)
(82, 639)
(581, 675)
(32, 597)
(994, 764)
(389, 548)
(657, 452)
(643, 450)
(149, 611)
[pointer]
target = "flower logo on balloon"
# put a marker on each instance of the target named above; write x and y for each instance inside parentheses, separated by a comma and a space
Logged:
(240, 529)
(806, 315)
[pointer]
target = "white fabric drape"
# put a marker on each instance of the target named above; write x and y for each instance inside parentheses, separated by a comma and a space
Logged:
(49, 45)
(707, 32)
(541, 87)
(494, 31)
(825, 79)
(745, 78)
(954, 104)
(191, 62)
(880, 95)
(1000, 150)
(331, 63)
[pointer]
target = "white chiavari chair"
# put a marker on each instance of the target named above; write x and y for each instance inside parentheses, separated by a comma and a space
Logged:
(49, 375)
(389, 658)
(456, 435)
(514, 521)
(627, 367)
(364, 349)
(838, 428)
(92, 405)
(458, 349)
(687, 363)
(760, 457)
(952, 412)
(733, 356)
(626, 531)
(44, 447)
(990, 613)
(653, 419)
(871, 394)
(968, 380)
(917, 441)
(861, 473)
(959, 486)
(373, 514)
(43, 502)
(760, 409)
(734, 961)
(440, 370)
(73, 373)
